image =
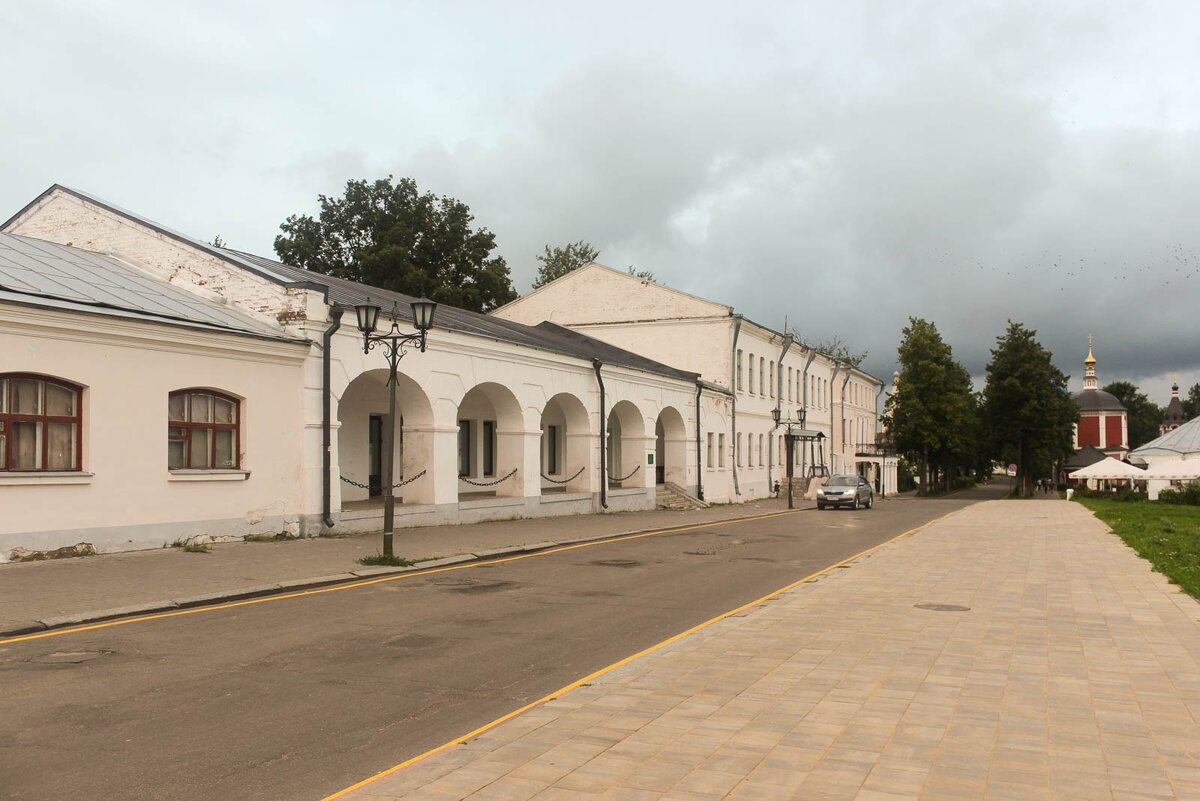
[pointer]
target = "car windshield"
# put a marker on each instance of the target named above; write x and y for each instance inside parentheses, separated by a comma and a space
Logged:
(842, 481)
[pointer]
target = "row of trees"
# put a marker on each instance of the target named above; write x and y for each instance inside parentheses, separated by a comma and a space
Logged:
(1024, 415)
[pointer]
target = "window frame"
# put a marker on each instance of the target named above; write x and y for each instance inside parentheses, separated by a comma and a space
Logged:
(9, 416)
(213, 427)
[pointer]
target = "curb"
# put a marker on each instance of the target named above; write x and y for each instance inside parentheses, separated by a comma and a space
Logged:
(259, 590)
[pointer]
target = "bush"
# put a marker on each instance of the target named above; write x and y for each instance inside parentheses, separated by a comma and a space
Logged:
(1189, 495)
(1126, 495)
(964, 482)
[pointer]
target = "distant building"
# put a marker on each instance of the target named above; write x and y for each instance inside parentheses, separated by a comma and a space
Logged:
(1103, 420)
(1174, 416)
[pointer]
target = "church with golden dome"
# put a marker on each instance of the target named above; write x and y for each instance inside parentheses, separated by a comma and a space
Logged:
(1103, 420)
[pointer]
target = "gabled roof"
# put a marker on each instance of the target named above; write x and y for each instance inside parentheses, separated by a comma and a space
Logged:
(547, 336)
(1088, 454)
(212, 250)
(346, 294)
(39, 273)
(1180, 442)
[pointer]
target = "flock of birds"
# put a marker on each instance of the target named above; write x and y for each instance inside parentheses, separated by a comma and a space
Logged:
(1178, 265)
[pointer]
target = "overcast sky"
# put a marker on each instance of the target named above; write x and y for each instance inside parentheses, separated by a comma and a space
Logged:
(838, 165)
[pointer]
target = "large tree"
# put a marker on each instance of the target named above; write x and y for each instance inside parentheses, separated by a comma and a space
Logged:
(1191, 404)
(1144, 415)
(1027, 410)
(557, 262)
(930, 417)
(394, 237)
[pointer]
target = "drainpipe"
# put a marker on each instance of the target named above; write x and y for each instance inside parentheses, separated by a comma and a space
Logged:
(879, 450)
(596, 364)
(812, 354)
(737, 329)
(837, 366)
(842, 409)
(699, 463)
(326, 435)
(778, 378)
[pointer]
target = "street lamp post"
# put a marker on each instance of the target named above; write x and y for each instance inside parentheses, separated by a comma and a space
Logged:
(393, 343)
(790, 441)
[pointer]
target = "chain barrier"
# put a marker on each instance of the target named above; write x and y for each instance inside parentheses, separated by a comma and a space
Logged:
(401, 483)
(564, 481)
(610, 478)
(488, 483)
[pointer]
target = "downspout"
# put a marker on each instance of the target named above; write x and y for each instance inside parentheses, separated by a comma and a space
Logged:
(326, 434)
(737, 329)
(699, 464)
(812, 354)
(842, 409)
(596, 363)
(787, 343)
(837, 366)
(878, 449)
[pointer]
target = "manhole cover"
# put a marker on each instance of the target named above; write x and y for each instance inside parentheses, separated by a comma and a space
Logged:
(943, 607)
(67, 657)
(616, 563)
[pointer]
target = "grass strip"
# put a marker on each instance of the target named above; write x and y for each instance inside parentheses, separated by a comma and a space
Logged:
(1168, 536)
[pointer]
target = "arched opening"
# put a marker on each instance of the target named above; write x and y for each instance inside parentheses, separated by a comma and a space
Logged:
(670, 450)
(566, 447)
(491, 443)
(363, 413)
(626, 443)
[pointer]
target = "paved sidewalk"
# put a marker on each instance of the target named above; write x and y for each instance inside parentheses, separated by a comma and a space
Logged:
(1075, 674)
(39, 595)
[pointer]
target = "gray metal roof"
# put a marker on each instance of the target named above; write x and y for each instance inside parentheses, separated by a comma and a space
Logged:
(1183, 440)
(544, 336)
(36, 272)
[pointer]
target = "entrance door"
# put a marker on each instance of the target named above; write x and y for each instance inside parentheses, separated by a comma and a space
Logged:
(375, 456)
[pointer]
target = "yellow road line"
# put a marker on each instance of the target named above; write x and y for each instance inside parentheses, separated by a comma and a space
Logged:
(625, 661)
(354, 585)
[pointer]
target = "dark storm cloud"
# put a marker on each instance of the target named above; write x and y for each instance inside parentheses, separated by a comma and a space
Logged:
(839, 165)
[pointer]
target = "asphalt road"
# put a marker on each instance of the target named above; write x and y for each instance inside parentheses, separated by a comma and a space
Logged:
(297, 698)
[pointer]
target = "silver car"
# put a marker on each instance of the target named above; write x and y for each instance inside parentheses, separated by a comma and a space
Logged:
(852, 491)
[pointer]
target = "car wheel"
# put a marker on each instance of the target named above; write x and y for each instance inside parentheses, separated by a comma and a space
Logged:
(870, 501)
(855, 504)
(821, 507)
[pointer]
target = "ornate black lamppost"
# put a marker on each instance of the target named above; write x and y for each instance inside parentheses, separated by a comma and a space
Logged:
(790, 439)
(393, 342)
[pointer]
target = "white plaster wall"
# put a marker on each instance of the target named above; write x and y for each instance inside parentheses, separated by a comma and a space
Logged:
(128, 368)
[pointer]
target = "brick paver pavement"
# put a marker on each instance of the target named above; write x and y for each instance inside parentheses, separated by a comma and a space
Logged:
(1074, 675)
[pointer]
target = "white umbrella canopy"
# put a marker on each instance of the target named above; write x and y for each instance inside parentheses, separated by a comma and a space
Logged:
(1110, 469)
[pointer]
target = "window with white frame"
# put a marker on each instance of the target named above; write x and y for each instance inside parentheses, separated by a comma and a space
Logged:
(789, 385)
(771, 390)
(739, 370)
(203, 430)
(739, 450)
(760, 450)
(721, 449)
(41, 424)
(709, 462)
(762, 375)
(751, 382)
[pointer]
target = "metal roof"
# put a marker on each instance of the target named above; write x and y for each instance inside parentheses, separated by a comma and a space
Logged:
(1183, 440)
(544, 336)
(36, 272)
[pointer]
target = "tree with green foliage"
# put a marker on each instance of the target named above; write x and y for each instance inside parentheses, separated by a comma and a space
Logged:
(1143, 415)
(557, 262)
(394, 237)
(1191, 404)
(645, 275)
(930, 416)
(1028, 412)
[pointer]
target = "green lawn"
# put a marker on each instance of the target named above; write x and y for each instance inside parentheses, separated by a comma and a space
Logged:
(1169, 536)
